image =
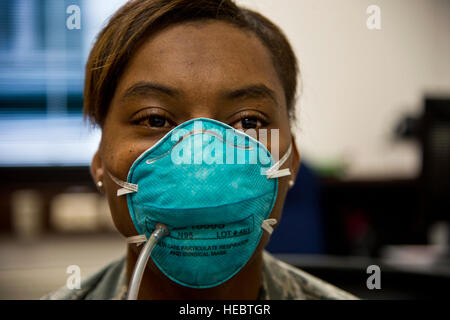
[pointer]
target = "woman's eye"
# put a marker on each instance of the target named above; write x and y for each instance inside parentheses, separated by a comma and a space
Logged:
(249, 123)
(157, 121)
(153, 121)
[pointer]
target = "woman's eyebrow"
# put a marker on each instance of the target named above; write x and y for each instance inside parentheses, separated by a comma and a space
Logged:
(256, 91)
(145, 88)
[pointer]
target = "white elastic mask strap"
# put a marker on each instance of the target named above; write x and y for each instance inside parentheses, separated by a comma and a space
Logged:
(267, 225)
(273, 171)
(138, 240)
(126, 186)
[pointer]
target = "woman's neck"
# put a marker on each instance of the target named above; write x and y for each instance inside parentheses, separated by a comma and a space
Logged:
(245, 285)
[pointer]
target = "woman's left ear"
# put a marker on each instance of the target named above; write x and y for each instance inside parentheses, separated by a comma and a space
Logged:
(97, 171)
(295, 163)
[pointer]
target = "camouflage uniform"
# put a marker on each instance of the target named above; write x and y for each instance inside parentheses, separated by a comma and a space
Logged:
(280, 282)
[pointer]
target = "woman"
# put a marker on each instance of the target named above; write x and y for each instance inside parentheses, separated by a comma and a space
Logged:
(161, 66)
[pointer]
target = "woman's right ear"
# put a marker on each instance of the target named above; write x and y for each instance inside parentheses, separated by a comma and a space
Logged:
(97, 170)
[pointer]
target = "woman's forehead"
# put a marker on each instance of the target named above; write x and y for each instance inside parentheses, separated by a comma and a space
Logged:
(200, 55)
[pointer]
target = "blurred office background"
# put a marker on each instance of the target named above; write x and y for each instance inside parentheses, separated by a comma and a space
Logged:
(373, 131)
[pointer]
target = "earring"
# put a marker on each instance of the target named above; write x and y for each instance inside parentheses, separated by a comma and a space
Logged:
(100, 185)
(291, 183)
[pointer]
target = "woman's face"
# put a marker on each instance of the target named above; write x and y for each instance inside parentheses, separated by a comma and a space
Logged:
(186, 71)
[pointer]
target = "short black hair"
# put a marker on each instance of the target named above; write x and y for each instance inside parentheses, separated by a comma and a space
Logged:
(138, 19)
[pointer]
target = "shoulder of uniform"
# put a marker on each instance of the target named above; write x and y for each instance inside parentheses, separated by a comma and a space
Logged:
(288, 282)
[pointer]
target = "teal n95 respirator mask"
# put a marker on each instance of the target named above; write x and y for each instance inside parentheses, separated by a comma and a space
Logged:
(213, 188)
